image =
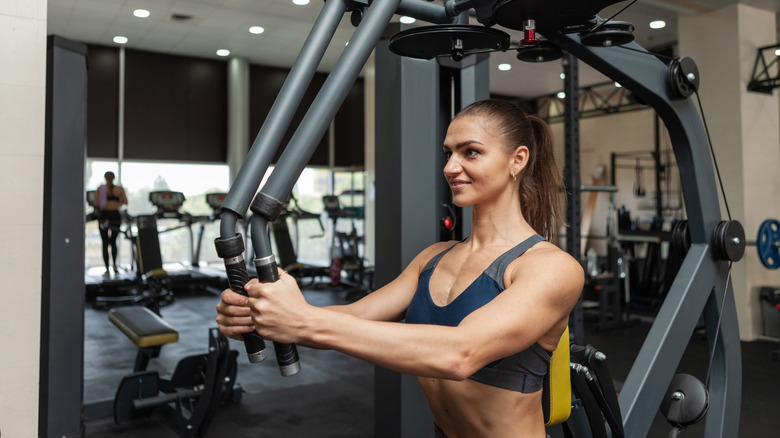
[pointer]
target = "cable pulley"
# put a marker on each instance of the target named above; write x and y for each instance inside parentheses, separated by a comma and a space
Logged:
(682, 77)
(455, 41)
(543, 52)
(613, 33)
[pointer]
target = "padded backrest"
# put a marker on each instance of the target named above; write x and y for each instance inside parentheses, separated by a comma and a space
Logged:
(556, 393)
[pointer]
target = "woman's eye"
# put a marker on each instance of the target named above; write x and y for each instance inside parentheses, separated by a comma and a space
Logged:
(471, 152)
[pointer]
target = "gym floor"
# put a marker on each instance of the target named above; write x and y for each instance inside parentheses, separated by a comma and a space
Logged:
(333, 395)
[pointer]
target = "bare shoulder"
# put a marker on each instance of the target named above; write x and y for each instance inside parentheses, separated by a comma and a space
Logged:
(547, 263)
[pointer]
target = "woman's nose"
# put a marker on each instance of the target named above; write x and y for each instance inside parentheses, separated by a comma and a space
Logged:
(452, 166)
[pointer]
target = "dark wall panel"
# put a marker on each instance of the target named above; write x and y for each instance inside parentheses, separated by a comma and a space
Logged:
(264, 86)
(102, 101)
(350, 129)
(175, 108)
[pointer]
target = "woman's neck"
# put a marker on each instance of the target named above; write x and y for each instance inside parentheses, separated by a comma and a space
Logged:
(501, 223)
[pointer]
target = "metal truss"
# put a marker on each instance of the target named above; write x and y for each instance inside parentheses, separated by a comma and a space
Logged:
(594, 100)
(766, 70)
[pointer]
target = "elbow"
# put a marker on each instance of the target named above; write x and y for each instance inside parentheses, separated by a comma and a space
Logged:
(460, 366)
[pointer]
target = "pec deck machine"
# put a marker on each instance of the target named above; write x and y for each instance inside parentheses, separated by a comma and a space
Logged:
(550, 29)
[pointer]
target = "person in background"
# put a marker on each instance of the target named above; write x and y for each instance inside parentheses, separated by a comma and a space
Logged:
(108, 199)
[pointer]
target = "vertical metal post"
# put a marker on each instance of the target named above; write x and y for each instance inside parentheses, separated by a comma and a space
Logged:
(62, 273)
(407, 147)
(659, 198)
(571, 178)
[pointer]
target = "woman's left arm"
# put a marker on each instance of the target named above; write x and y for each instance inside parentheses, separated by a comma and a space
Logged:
(534, 305)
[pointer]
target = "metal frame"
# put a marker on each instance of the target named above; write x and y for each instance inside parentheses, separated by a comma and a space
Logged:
(701, 282)
(762, 80)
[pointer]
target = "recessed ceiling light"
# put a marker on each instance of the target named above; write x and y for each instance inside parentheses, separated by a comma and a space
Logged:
(617, 84)
(657, 24)
(223, 52)
(141, 13)
(561, 95)
(504, 67)
(406, 20)
(777, 52)
(301, 2)
(256, 30)
(563, 75)
(120, 39)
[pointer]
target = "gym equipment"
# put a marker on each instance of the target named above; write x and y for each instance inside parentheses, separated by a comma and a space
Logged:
(556, 387)
(190, 398)
(288, 251)
(459, 40)
(685, 402)
(768, 243)
(189, 275)
(120, 288)
(592, 383)
(345, 247)
(703, 275)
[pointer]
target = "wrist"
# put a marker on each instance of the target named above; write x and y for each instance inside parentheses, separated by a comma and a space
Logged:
(315, 327)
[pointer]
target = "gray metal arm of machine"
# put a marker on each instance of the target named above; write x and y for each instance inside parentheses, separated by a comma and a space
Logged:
(702, 280)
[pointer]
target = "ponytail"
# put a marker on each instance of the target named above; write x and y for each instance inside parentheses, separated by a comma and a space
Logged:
(541, 182)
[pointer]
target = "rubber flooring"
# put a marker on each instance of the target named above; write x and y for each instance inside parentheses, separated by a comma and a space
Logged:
(333, 395)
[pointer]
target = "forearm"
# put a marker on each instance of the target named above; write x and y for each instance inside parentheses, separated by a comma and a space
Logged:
(415, 349)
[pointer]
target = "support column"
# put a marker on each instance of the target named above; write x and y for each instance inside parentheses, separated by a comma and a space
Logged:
(407, 142)
(238, 114)
(62, 274)
(744, 130)
(571, 179)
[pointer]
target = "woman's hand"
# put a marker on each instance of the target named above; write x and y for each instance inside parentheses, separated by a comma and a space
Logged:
(278, 310)
(233, 315)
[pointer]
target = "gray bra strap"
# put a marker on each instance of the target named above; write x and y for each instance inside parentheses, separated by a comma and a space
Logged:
(435, 259)
(499, 265)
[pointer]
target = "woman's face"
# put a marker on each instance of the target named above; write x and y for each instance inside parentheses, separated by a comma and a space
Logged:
(478, 167)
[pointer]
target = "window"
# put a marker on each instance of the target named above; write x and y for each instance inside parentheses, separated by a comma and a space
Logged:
(312, 242)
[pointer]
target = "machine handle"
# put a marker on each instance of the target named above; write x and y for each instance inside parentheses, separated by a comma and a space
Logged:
(286, 354)
(231, 250)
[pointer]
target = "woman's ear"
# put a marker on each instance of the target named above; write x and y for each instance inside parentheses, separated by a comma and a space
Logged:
(520, 158)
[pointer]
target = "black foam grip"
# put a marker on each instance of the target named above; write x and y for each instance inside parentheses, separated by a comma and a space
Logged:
(237, 278)
(286, 354)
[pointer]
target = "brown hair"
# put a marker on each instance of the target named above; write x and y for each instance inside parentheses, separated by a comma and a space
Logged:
(540, 181)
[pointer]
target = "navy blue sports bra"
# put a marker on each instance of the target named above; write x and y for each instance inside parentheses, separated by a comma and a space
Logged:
(523, 371)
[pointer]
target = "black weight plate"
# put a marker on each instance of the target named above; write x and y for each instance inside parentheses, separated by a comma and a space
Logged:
(767, 243)
(134, 387)
(428, 42)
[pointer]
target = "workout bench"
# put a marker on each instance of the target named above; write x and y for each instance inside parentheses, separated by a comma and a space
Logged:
(146, 329)
(189, 399)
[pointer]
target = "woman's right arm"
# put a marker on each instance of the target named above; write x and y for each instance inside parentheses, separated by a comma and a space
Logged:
(388, 303)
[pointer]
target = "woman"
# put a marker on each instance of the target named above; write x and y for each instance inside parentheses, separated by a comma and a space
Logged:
(482, 315)
(108, 199)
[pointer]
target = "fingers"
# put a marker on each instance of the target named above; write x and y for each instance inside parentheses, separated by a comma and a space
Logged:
(233, 316)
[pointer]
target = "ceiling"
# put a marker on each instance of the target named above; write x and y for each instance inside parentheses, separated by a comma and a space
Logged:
(224, 24)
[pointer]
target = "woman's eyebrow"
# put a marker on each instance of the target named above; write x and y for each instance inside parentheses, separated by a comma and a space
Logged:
(462, 144)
